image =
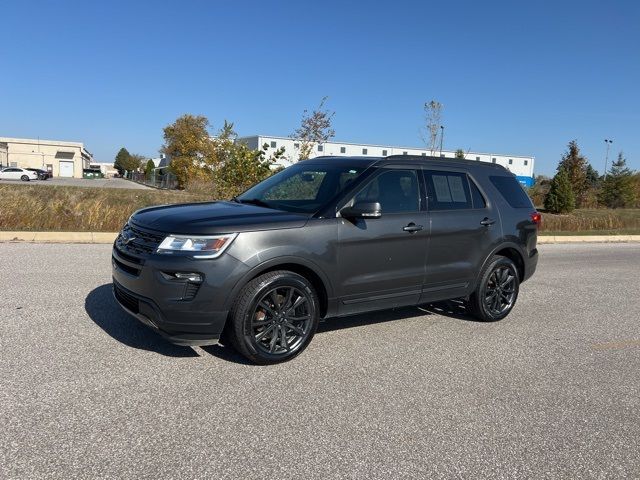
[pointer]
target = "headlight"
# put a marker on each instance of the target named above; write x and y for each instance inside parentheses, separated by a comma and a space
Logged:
(201, 246)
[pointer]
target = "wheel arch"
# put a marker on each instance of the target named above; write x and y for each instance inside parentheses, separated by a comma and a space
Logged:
(509, 250)
(302, 267)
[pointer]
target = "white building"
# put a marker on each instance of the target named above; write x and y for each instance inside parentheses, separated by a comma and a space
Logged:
(519, 165)
(63, 159)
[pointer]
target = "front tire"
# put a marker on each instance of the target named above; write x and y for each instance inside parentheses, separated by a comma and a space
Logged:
(274, 317)
(497, 290)
(24, 178)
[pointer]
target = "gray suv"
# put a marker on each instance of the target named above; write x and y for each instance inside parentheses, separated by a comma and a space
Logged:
(327, 237)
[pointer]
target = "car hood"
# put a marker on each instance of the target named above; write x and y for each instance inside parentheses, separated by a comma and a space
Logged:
(212, 218)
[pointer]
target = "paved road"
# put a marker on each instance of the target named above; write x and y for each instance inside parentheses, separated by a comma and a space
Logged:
(553, 391)
(83, 182)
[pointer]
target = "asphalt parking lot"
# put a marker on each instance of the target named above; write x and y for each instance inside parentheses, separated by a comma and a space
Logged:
(552, 391)
(82, 182)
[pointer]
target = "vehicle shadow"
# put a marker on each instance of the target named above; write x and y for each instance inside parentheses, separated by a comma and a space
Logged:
(450, 308)
(105, 312)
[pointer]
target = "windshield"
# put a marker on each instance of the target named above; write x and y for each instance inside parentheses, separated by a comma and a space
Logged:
(301, 188)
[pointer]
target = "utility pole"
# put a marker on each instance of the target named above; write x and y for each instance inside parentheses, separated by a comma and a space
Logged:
(441, 137)
(606, 158)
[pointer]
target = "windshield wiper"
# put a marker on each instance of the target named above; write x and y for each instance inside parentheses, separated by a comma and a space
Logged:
(254, 201)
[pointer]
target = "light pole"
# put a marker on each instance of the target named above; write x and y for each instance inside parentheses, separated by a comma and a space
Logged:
(441, 137)
(606, 158)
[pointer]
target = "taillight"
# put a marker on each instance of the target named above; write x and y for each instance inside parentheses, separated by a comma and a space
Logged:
(536, 217)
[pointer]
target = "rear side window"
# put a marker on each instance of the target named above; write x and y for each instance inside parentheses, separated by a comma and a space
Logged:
(512, 191)
(448, 190)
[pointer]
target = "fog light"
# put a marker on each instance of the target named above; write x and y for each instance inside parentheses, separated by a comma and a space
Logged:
(191, 277)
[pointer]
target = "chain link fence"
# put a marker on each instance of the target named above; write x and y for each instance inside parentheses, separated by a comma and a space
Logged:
(157, 179)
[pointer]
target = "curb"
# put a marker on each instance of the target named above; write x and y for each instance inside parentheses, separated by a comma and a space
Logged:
(545, 239)
(109, 237)
(58, 237)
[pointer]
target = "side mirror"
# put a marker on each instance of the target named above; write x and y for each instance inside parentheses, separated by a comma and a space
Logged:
(362, 210)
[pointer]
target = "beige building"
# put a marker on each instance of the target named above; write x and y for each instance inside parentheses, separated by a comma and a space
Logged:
(63, 159)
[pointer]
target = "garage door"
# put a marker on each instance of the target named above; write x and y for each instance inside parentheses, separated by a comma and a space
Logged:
(66, 169)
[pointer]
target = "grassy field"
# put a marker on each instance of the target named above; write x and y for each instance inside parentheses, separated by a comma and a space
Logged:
(76, 209)
(56, 208)
(622, 221)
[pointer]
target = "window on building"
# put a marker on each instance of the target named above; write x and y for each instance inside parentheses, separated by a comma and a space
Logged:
(320, 148)
(526, 162)
(384, 153)
(424, 154)
(343, 150)
(273, 144)
(364, 151)
(477, 159)
(510, 161)
(404, 153)
(442, 155)
(493, 160)
(296, 145)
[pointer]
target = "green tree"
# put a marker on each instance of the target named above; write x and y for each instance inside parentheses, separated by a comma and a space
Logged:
(560, 198)
(136, 162)
(539, 190)
(148, 169)
(618, 186)
(187, 143)
(575, 164)
(460, 153)
(122, 160)
(592, 176)
(315, 129)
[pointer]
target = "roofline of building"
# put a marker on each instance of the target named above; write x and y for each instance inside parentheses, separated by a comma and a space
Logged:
(276, 137)
(60, 143)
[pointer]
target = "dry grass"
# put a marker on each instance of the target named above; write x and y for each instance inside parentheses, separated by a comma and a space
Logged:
(57, 208)
(605, 221)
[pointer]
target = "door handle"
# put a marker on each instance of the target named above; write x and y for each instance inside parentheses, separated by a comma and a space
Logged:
(412, 228)
(487, 221)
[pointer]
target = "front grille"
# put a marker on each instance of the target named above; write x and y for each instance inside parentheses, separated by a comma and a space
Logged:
(137, 243)
(126, 268)
(128, 301)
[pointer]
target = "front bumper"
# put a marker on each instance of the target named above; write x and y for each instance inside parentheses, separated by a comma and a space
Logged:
(149, 314)
(142, 288)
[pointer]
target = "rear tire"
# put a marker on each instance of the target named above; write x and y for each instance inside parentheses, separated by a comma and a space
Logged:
(497, 290)
(274, 317)
(24, 178)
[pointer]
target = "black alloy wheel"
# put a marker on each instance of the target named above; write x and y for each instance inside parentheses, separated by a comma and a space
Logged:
(500, 291)
(281, 320)
(497, 290)
(274, 317)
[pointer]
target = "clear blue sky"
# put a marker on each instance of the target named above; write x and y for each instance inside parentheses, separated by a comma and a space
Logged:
(514, 77)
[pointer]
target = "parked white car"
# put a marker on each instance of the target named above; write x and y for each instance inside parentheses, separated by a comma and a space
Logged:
(15, 173)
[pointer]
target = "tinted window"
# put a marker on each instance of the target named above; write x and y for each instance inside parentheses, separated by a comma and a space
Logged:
(476, 196)
(512, 191)
(396, 190)
(448, 190)
(301, 188)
